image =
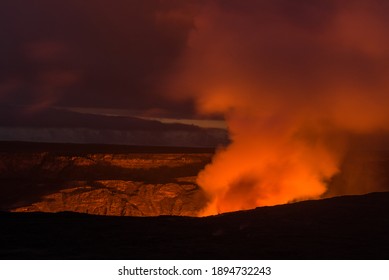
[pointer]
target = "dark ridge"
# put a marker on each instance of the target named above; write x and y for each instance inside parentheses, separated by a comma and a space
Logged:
(348, 227)
(82, 149)
(51, 117)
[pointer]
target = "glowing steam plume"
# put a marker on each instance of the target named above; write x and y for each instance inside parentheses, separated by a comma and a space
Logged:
(292, 82)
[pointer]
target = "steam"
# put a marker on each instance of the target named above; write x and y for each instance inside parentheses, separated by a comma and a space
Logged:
(292, 81)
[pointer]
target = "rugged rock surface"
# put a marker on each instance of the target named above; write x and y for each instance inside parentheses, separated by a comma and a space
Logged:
(123, 198)
(125, 182)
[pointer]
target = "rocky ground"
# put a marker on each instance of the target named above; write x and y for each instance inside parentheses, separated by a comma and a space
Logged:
(121, 181)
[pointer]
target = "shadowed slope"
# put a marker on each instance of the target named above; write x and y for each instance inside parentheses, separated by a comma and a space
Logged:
(350, 227)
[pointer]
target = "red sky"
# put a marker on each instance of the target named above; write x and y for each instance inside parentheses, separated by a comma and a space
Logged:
(119, 54)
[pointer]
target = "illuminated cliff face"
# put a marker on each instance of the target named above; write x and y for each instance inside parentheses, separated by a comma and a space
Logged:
(135, 184)
(123, 198)
(292, 83)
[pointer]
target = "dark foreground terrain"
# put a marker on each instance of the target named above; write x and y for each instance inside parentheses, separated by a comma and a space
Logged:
(349, 227)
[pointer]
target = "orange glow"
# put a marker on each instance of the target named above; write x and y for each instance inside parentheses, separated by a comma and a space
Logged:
(290, 91)
(270, 165)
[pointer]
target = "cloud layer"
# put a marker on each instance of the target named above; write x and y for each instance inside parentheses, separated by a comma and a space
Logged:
(91, 53)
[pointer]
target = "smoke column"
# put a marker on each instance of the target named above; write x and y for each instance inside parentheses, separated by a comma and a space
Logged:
(293, 80)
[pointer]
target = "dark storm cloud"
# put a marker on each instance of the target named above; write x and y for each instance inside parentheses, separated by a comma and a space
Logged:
(93, 53)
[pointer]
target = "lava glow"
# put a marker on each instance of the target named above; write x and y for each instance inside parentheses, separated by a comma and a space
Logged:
(292, 85)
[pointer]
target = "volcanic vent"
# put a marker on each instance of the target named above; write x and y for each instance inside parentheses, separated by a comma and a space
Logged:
(295, 83)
